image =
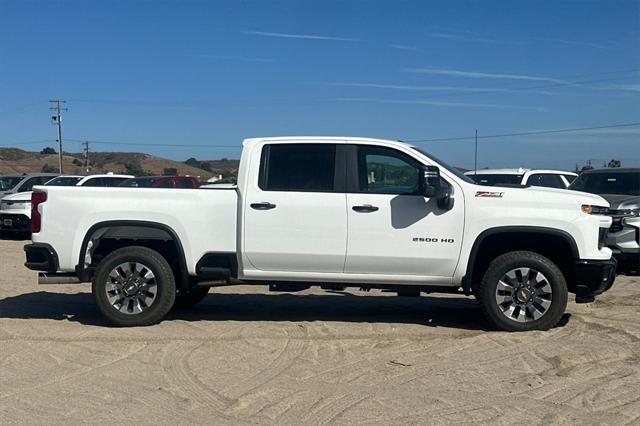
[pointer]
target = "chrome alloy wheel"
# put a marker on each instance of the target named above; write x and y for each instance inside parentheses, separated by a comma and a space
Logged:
(131, 288)
(523, 294)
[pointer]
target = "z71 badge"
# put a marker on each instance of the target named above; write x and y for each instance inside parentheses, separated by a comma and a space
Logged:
(489, 194)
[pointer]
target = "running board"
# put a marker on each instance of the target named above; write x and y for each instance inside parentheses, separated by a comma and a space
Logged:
(46, 278)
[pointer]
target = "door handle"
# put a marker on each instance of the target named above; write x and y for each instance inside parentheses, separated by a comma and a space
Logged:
(263, 206)
(366, 208)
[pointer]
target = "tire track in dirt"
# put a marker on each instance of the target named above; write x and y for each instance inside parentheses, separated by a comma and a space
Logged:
(175, 368)
(291, 351)
(74, 375)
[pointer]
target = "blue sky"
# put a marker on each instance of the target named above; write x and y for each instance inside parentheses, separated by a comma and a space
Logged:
(215, 72)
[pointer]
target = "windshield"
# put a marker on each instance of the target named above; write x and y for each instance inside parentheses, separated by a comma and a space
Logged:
(8, 182)
(497, 179)
(64, 181)
(138, 183)
(624, 183)
(450, 169)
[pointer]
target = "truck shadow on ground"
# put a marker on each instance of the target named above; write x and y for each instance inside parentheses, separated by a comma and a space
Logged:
(458, 313)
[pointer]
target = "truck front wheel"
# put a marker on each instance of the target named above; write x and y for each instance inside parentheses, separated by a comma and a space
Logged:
(134, 286)
(522, 291)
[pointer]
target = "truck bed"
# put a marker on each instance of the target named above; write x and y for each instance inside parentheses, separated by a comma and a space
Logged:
(204, 220)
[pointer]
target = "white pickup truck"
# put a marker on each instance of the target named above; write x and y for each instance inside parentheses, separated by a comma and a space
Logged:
(330, 212)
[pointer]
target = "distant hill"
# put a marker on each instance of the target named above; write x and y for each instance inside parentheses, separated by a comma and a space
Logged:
(14, 160)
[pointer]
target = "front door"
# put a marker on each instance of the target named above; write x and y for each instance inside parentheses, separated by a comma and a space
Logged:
(295, 213)
(392, 229)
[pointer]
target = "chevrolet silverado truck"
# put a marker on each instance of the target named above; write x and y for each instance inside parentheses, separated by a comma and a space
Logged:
(334, 213)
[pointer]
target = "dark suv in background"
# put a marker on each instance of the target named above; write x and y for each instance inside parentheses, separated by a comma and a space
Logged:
(621, 188)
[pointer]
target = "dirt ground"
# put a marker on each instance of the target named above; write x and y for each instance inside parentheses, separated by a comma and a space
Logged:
(249, 356)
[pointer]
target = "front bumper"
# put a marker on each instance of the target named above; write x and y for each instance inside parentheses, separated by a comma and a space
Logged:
(593, 277)
(624, 242)
(15, 222)
(41, 257)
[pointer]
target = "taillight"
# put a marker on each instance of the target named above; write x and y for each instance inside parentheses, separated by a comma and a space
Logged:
(37, 198)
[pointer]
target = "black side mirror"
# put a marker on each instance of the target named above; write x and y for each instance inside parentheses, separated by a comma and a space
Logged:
(430, 184)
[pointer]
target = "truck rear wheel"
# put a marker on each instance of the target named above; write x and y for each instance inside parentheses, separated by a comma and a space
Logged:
(134, 286)
(523, 291)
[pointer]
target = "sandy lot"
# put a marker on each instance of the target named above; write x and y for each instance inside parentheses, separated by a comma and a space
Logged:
(249, 356)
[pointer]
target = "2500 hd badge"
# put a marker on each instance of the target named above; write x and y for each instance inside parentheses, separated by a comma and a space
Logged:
(432, 240)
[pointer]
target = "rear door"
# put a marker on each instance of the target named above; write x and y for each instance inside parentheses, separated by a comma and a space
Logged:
(392, 229)
(295, 211)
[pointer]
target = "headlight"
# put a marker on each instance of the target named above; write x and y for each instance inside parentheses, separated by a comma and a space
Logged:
(628, 212)
(588, 209)
(13, 205)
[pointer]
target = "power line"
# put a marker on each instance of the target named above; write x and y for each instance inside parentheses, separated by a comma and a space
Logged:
(158, 144)
(500, 135)
(535, 132)
(501, 89)
(27, 143)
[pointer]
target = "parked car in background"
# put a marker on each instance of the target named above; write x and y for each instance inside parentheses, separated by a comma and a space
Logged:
(530, 177)
(104, 180)
(162, 182)
(15, 209)
(621, 188)
(11, 184)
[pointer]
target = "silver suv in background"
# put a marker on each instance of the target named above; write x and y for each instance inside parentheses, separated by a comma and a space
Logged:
(621, 188)
(11, 184)
(528, 177)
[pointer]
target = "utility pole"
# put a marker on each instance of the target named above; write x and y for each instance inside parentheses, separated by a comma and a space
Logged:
(57, 119)
(86, 156)
(475, 162)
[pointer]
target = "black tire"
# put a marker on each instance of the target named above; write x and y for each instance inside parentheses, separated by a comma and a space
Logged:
(554, 286)
(188, 298)
(164, 288)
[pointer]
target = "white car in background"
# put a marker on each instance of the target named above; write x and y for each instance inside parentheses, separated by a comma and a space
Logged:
(15, 209)
(528, 177)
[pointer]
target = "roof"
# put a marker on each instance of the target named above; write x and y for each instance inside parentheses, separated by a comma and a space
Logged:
(162, 177)
(323, 139)
(614, 170)
(519, 171)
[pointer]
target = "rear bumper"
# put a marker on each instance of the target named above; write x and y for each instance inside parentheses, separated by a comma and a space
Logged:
(41, 257)
(593, 277)
(19, 222)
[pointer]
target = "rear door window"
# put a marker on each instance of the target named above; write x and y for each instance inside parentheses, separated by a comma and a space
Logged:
(95, 182)
(298, 167)
(34, 181)
(184, 183)
(109, 181)
(165, 183)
